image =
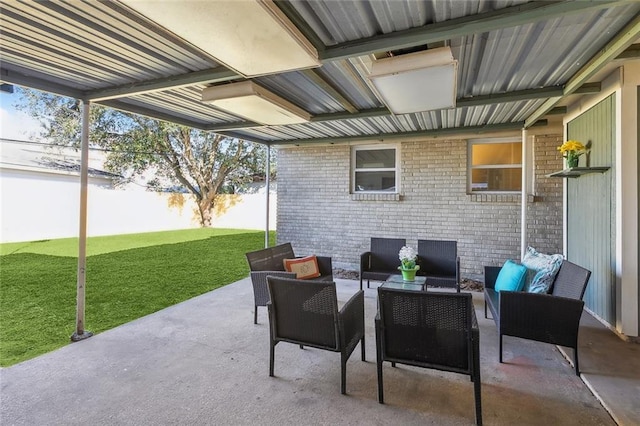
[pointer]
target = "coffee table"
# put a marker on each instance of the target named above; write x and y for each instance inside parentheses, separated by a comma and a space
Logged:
(396, 281)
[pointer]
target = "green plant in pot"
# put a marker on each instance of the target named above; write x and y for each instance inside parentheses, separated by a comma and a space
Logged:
(408, 267)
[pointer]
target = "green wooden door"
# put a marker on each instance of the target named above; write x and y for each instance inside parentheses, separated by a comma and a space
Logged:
(591, 207)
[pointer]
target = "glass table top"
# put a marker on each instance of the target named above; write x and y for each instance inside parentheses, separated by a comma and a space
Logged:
(396, 281)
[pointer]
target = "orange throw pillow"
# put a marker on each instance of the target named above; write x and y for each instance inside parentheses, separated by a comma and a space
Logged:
(304, 267)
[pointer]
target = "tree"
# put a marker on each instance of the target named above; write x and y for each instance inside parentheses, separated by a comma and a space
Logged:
(205, 164)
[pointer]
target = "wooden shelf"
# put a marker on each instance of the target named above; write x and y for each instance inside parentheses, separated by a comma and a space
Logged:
(575, 172)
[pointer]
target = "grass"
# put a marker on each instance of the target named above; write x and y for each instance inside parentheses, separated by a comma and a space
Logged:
(128, 276)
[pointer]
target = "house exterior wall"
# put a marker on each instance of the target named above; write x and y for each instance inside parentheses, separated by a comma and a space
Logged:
(623, 82)
(544, 213)
(318, 214)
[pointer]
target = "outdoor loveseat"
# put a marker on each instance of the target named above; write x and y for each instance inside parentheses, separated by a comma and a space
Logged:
(551, 318)
(270, 261)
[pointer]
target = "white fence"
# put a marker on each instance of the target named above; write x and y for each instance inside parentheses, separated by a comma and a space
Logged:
(45, 207)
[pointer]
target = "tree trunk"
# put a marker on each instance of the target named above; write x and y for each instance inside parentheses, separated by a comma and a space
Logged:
(206, 217)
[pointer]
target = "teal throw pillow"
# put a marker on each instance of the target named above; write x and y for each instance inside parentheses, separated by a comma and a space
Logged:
(511, 277)
(542, 270)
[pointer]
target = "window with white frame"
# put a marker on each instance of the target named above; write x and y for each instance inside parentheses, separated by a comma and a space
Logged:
(495, 165)
(375, 168)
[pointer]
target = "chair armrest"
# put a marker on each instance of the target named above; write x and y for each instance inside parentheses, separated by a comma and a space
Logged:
(259, 282)
(542, 317)
(365, 261)
(351, 318)
(474, 318)
(490, 276)
(261, 276)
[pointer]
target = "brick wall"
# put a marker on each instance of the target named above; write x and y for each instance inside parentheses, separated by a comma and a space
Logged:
(317, 213)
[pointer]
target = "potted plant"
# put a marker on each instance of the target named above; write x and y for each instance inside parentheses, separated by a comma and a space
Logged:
(408, 265)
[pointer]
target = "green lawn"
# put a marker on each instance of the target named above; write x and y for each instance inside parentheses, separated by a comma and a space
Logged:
(128, 276)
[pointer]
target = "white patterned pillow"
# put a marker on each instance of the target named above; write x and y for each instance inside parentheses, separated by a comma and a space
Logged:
(542, 270)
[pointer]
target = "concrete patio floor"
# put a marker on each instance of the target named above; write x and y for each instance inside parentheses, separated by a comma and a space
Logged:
(204, 362)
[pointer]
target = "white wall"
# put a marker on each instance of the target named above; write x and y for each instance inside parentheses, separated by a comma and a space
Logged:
(38, 206)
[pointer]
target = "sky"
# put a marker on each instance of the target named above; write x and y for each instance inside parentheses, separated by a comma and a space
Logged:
(15, 124)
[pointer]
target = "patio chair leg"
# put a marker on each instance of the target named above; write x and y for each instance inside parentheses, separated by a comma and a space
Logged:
(301, 347)
(575, 360)
(255, 315)
(343, 374)
(485, 310)
(380, 388)
(478, 401)
(368, 284)
(475, 376)
(271, 356)
(362, 349)
(360, 283)
(500, 347)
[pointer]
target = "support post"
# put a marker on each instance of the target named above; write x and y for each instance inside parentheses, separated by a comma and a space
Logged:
(80, 332)
(268, 190)
(523, 196)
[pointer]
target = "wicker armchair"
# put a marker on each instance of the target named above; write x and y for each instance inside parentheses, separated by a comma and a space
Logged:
(306, 313)
(430, 330)
(268, 261)
(550, 318)
(382, 260)
(439, 262)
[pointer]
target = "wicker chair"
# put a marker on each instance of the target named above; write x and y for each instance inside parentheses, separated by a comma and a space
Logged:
(306, 313)
(439, 262)
(268, 261)
(430, 330)
(550, 318)
(382, 260)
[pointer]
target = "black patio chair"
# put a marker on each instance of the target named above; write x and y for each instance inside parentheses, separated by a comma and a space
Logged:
(269, 261)
(429, 330)
(306, 313)
(382, 260)
(439, 262)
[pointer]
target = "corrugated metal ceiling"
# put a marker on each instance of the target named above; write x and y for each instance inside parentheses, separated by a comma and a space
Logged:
(105, 52)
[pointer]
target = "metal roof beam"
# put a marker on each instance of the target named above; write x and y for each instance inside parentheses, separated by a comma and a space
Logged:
(417, 134)
(497, 19)
(147, 112)
(610, 51)
(560, 110)
(632, 52)
(518, 95)
(173, 119)
(231, 126)
(21, 79)
(301, 24)
(522, 95)
(214, 75)
(246, 138)
(365, 113)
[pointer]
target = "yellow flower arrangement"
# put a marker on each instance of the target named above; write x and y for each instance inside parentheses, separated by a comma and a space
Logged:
(572, 150)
